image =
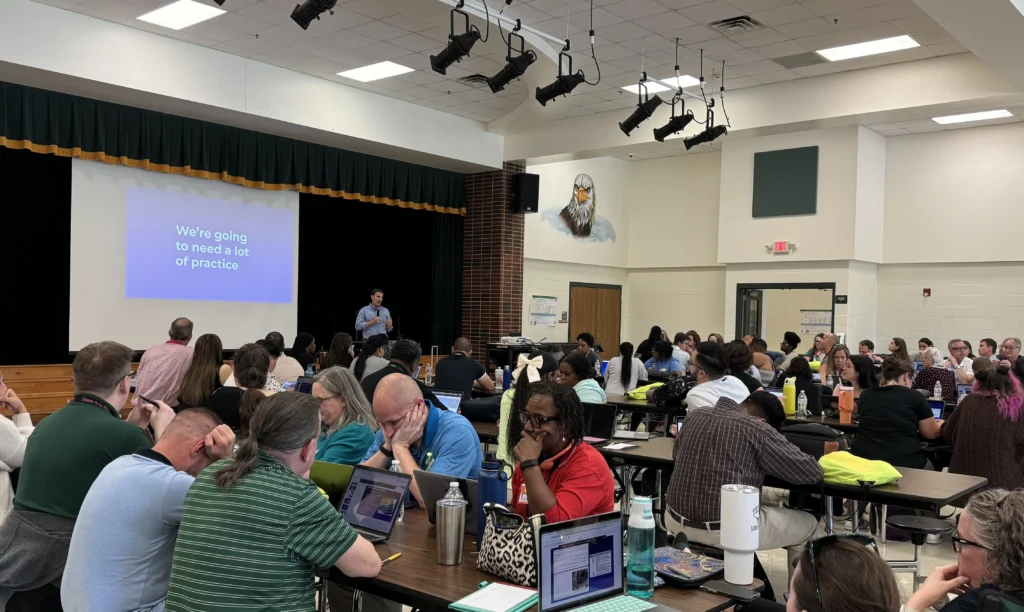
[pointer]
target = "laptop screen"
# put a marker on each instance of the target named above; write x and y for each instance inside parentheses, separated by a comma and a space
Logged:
(599, 421)
(962, 390)
(372, 499)
(450, 399)
(580, 562)
(937, 406)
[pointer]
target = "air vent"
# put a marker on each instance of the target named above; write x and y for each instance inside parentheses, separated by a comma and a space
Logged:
(736, 25)
(799, 60)
(474, 80)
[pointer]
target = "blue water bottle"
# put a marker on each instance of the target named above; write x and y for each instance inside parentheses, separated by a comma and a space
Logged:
(507, 382)
(491, 488)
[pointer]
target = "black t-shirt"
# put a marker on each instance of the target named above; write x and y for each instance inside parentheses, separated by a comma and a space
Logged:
(645, 351)
(457, 372)
(370, 382)
(304, 358)
(751, 383)
(888, 427)
(594, 360)
(224, 403)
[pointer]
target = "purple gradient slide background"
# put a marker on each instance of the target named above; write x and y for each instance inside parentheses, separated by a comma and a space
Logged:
(150, 270)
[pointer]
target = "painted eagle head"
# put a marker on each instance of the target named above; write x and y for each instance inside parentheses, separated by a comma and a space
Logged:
(580, 213)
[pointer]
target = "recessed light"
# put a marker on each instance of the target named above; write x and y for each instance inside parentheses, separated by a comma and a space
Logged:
(652, 87)
(181, 14)
(982, 116)
(684, 81)
(374, 72)
(872, 47)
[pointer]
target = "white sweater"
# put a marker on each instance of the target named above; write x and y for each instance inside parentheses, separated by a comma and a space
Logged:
(706, 395)
(14, 435)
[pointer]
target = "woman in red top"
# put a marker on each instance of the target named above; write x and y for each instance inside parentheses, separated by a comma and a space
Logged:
(557, 473)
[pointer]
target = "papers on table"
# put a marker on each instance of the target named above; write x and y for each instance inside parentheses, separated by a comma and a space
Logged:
(497, 597)
(619, 446)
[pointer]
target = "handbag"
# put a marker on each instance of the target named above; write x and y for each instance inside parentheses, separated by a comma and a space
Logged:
(509, 546)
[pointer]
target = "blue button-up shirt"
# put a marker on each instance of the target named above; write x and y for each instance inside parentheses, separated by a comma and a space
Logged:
(451, 441)
(368, 313)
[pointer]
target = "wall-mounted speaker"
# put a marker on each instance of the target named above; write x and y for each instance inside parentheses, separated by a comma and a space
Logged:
(525, 192)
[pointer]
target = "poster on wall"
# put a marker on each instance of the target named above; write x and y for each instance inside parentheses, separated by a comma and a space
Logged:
(814, 322)
(543, 310)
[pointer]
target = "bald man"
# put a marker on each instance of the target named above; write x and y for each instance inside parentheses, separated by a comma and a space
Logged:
(163, 367)
(460, 372)
(419, 435)
(121, 548)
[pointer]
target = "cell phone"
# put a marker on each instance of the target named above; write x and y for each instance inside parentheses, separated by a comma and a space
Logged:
(304, 384)
(732, 591)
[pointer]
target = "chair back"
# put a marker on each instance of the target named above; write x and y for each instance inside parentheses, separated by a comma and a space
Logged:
(994, 601)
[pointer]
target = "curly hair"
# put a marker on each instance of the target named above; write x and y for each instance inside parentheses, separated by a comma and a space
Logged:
(998, 516)
(567, 404)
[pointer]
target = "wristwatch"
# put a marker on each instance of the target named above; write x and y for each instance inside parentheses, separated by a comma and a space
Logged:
(387, 452)
(529, 463)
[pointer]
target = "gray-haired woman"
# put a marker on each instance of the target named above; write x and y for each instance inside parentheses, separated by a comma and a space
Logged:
(346, 417)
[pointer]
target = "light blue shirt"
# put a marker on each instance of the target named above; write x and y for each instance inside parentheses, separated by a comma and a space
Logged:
(369, 313)
(672, 365)
(589, 391)
(123, 543)
(450, 440)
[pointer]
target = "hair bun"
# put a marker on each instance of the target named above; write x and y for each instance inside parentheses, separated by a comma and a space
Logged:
(1004, 370)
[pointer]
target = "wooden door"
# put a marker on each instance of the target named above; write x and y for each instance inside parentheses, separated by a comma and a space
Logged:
(596, 309)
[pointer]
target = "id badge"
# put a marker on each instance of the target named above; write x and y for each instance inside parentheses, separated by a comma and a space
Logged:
(522, 495)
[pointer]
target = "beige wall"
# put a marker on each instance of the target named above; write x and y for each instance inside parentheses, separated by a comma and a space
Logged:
(782, 312)
(677, 300)
(552, 278)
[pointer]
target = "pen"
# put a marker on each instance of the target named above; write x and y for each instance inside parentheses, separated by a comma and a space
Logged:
(390, 559)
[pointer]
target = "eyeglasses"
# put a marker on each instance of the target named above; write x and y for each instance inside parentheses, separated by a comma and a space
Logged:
(320, 400)
(816, 546)
(958, 348)
(959, 543)
(536, 420)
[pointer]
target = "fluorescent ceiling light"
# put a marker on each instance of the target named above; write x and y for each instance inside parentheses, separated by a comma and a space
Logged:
(685, 81)
(872, 47)
(982, 116)
(374, 72)
(652, 87)
(181, 14)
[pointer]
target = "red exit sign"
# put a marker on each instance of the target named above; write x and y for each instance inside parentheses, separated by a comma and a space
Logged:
(781, 246)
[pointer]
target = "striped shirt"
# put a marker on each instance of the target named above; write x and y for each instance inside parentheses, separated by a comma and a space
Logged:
(256, 545)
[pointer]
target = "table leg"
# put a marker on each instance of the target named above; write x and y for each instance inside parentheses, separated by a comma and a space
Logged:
(627, 483)
(829, 527)
(659, 503)
(855, 515)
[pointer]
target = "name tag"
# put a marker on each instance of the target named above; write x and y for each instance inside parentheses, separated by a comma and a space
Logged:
(522, 495)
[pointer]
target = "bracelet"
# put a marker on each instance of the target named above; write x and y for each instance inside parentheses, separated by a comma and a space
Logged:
(387, 452)
(529, 463)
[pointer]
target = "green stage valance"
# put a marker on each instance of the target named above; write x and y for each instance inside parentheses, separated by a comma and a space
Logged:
(70, 126)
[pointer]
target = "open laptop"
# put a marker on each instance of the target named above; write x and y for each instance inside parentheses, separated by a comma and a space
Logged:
(451, 399)
(333, 478)
(434, 487)
(580, 567)
(598, 422)
(372, 501)
(937, 406)
(963, 390)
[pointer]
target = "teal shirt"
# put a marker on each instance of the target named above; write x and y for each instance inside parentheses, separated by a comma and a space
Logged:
(346, 446)
(589, 391)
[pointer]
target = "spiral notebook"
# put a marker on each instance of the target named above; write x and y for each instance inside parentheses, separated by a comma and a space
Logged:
(497, 597)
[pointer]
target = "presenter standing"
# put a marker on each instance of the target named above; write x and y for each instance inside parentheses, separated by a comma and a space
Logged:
(373, 319)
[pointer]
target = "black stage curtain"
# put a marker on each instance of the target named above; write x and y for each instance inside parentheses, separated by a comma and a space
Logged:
(346, 249)
(71, 126)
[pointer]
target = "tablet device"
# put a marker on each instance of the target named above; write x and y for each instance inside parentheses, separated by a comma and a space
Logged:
(304, 384)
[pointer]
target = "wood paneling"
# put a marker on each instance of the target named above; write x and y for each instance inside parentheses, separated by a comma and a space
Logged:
(45, 388)
(597, 310)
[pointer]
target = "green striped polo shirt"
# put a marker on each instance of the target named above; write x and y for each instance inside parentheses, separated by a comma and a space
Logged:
(255, 546)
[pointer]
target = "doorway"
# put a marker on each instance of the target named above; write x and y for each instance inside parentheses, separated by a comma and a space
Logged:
(768, 310)
(596, 309)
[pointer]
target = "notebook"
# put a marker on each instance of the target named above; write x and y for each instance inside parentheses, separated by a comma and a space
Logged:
(372, 501)
(497, 597)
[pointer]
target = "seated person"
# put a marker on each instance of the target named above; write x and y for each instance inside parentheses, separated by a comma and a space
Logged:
(646, 349)
(251, 369)
(347, 424)
(625, 372)
(721, 445)
(405, 359)
(585, 346)
(283, 368)
(764, 406)
(371, 357)
(575, 371)
(789, 344)
(866, 348)
(460, 372)
(14, 433)
(842, 574)
(710, 368)
(64, 455)
(988, 542)
(557, 474)
(800, 370)
(206, 373)
(663, 361)
(831, 368)
(764, 364)
(892, 416)
(682, 346)
(289, 529)
(859, 372)
(739, 361)
(123, 565)
(960, 361)
(816, 353)
(538, 366)
(413, 429)
(933, 373)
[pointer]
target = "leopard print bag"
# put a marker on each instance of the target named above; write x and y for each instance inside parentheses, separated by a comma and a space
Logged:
(508, 549)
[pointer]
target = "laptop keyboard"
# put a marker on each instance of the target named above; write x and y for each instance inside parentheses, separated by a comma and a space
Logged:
(622, 603)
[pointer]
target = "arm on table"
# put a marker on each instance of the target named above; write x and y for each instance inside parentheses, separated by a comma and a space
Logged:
(360, 560)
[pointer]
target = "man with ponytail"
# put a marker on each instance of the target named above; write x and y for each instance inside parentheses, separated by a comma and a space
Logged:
(258, 515)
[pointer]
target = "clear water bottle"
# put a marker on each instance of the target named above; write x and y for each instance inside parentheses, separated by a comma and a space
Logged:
(801, 406)
(640, 557)
(498, 378)
(396, 466)
(428, 378)
(453, 494)
(937, 390)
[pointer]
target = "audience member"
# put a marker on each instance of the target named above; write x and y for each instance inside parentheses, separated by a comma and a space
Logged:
(988, 348)
(681, 348)
(663, 361)
(538, 366)
(276, 352)
(14, 433)
(624, 372)
(664, 336)
(290, 529)
(694, 339)
(163, 366)
(739, 359)
(764, 364)
(347, 424)
(283, 368)
(123, 542)
(341, 353)
(970, 351)
(835, 360)
(460, 372)
(585, 345)
(710, 368)
(65, 454)
(866, 348)
(959, 362)
(715, 337)
(859, 373)
(932, 373)
(924, 344)
(800, 371)
(303, 349)
(766, 407)
(646, 349)
(556, 474)
(815, 353)
(722, 445)
(1009, 351)
(839, 573)
(790, 343)
(205, 374)
(405, 359)
(892, 416)
(988, 541)
(419, 435)
(371, 357)
(986, 431)
(251, 367)
(575, 372)
(898, 349)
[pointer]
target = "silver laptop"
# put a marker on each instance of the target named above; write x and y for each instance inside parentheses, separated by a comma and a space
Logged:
(451, 399)
(621, 434)
(372, 500)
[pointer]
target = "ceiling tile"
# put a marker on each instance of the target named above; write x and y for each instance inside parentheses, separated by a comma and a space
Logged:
(826, 41)
(875, 31)
(740, 83)
(273, 61)
(781, 49)
(602, 19)
(420, 78)
(379, 30)
(711, 11)
(293, 55)
(916, 24)
(819, 69)
(210, 30)
(757, 38)
(811, 27)
(633, 10)
(63, 4)
(609, 53)
(681, 4)
(526, 13)
(414, 42)
(558, 7)
(665, 22)
(382, 51)
(915, 123)
(740, 56)
(265, 12)
(752, 68)
(256, 44)
(925, 128)
(556, 27)
(948, 48)
(782, 15)
(342, 19)
(753, 6)
(713, 47)
(828, 7)
(413, 23)
(901, 9)
(378, 9)
(932, 37)
(775, 77)
(653, 43)
(624, 31)
(239, 23)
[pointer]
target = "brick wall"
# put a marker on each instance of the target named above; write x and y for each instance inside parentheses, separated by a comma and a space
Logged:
(492, 275)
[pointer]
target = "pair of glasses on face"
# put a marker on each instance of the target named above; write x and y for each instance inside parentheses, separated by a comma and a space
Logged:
(959, 543)
(816, 546)
(536, 420)
(320, 400)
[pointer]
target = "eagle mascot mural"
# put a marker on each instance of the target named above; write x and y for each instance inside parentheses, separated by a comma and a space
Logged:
(581, 211)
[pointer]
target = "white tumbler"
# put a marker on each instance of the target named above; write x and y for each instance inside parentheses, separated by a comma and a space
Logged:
(741, 507)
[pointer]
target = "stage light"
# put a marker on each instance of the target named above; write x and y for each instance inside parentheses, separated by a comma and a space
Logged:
(644, 108)
(674, 125)
(516, 66)
(706, 136)
(564, 83)
(305, 13)
(459, 45)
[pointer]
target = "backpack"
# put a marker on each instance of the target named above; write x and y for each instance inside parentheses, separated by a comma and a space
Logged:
(844, 468)
(812, 438)
(673, 392)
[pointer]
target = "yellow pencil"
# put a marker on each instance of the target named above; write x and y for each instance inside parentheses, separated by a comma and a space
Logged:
(390, 559)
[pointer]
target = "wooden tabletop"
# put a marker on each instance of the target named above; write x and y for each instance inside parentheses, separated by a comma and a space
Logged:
(416, 579)
(488, 432)
(832, 422)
